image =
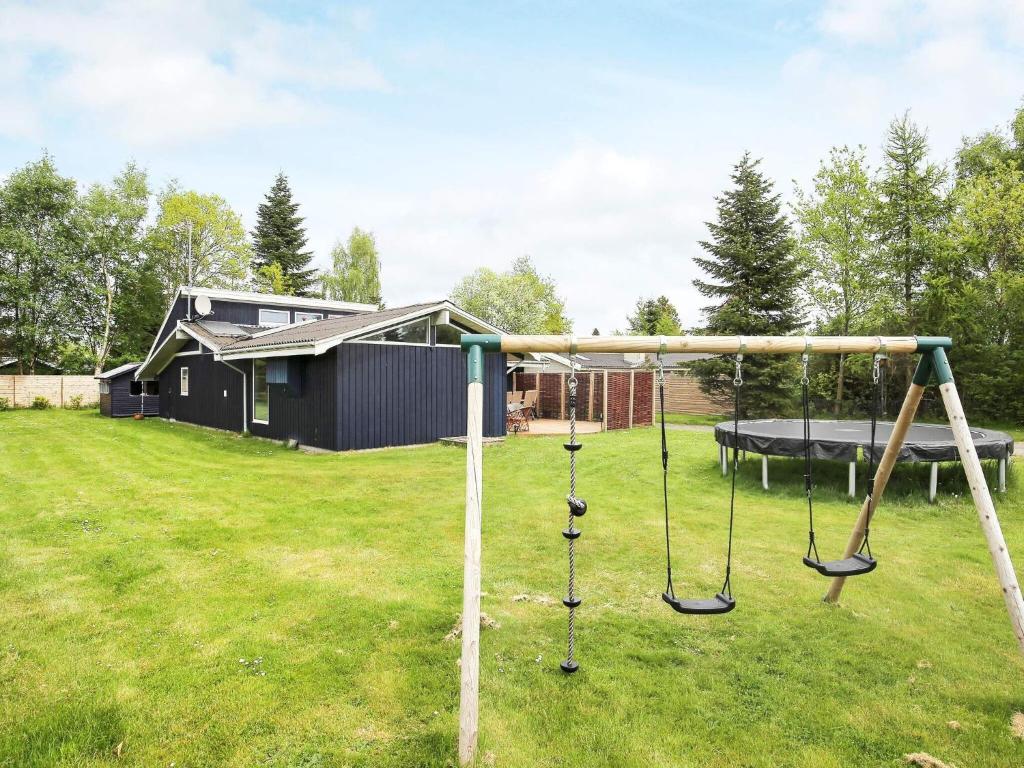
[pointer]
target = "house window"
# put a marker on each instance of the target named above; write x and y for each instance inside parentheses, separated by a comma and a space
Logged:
(305, 317)
(183, 381)
(151, 387)
(270, 318)
(416, 332)
(104, 387)
(448, 335)
(134, 388)
(260, 392)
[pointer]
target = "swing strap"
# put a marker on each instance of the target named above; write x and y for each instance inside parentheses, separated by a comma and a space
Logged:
(737, 382)
(664, 471)
(876, 378)
(812, 547)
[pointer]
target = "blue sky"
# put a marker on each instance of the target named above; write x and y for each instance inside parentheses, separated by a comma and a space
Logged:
(592, 136)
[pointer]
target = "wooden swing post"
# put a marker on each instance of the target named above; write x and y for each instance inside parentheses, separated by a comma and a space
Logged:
(933, 363)
(892, 451)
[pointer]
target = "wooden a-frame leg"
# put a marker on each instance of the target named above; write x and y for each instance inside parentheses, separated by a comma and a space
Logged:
(892, 451)
(982, 498)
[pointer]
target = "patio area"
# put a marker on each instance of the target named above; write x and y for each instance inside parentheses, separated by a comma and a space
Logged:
(558, 427)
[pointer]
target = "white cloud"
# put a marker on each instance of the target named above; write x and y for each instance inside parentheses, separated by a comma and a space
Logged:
(173, 72)
(864, 21)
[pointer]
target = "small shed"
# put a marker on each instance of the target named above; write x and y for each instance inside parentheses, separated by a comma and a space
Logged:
(122, 395)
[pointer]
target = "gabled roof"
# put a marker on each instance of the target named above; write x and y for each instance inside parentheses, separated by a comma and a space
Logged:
(320, 330)
(273, 299)
(119, 371)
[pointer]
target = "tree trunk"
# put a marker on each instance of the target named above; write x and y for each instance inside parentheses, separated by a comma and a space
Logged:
(839, 387)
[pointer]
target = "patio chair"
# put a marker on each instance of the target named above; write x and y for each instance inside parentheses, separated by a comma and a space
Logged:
(516, 419)
(530, 403)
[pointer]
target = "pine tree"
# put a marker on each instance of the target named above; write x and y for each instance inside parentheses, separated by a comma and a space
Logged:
(755, 276)
(279, 238)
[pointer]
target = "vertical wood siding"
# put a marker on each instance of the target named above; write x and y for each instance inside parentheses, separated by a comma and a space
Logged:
(391, 395)
(241, 313)
(309, 414)
(123, 403)
(206, 402)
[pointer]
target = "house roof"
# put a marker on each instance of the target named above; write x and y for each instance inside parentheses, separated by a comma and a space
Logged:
(329, 328)
(271, 299)
(120, 370)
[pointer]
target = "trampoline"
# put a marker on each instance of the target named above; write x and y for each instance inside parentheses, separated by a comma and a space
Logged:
(841, 441)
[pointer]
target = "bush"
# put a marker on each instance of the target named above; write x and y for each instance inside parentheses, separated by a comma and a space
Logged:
(40, 403)
(5, 404)
(74, 403)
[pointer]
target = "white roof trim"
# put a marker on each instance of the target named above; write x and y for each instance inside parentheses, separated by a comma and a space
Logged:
(321, 346)
(223, 294)
(118, 371)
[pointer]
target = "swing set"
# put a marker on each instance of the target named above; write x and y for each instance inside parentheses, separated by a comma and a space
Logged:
(857, 558)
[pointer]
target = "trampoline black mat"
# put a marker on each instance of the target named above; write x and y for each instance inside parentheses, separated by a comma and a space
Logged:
(839, 440)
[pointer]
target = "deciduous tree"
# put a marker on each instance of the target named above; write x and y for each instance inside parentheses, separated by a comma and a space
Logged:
(517, 301)
(204, 230)
(839, 251)
(355, 270)
(654, 317)
(38, 243)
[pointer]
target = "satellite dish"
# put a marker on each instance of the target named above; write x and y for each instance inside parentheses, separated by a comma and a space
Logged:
(203, 305)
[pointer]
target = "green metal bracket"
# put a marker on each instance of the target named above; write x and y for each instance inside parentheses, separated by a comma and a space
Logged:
(943, 372)
(930, 343)
(488, 342)
(476, 364)
(923, 374)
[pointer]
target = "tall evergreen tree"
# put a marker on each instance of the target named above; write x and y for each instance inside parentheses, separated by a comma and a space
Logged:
(754, 282)
(279, 238)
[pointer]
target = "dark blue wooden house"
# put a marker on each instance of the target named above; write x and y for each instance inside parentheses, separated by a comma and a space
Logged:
(121, 394)
(328, 374)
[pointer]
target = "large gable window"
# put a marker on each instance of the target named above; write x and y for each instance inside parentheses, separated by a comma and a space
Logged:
(260, 392)
(270, 318)
(448, 334)
(416, 332)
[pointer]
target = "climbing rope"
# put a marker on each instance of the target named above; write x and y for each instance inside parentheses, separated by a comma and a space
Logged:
(577, 508)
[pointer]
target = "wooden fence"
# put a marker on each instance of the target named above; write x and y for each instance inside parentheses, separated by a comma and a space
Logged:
(20, 391)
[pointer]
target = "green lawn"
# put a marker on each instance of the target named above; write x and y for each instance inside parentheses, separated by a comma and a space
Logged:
(698, 419)
(203, 600)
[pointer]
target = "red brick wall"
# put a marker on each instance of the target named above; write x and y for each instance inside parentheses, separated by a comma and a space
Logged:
(598, 395)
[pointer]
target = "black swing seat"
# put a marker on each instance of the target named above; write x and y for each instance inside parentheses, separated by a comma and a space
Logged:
(851, 566)
(720, 603)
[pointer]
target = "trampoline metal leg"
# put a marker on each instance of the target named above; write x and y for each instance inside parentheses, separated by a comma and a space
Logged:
(764, 472)
(723, 454)
(933, 483)
(1002, 475)
(851, 485)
